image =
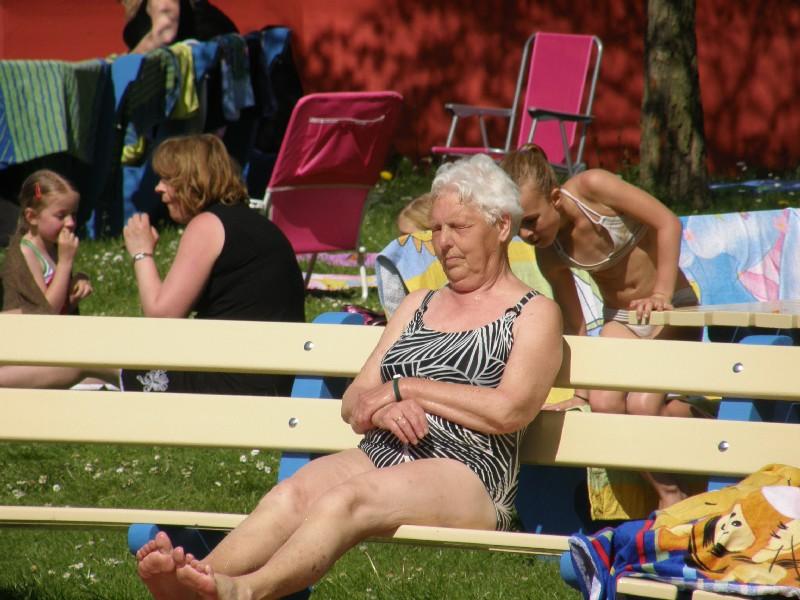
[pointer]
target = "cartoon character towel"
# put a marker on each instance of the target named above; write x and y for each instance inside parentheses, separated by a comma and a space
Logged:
(743, 539)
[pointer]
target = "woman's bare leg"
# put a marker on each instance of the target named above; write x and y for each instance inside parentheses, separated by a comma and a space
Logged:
(20, 376)
(375, 503)
(254, 541)
(281, 512)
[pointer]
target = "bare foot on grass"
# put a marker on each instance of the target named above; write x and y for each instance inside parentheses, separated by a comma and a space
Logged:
(157, 565)
(201, 579)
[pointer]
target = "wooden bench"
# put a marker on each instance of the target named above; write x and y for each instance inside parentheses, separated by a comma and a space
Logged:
(572, 439)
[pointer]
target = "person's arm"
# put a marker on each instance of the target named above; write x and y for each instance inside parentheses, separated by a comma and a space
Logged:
(164, 18)
(529, 374)
(561, 279)
(367, 394)
(80, 288)
(58, 291)
(198, 249)
(565, 293)
(606, 188)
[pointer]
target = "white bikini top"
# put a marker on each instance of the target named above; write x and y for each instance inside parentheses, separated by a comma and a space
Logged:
(624, 232)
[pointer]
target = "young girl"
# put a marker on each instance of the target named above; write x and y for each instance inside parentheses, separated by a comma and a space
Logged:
(416, 215)
(37, 275)
(629, 243)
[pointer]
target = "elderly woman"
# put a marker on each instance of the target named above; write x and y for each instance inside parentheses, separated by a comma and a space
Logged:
(443, 401)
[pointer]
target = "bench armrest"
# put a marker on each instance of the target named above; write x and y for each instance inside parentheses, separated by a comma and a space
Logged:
(467, 110)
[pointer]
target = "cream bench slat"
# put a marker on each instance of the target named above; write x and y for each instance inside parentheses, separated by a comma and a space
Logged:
(187, 344)
(313, 425)
(315, 349)
(503, 541)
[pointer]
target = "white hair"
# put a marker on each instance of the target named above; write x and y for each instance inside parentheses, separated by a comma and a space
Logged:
(480, 181)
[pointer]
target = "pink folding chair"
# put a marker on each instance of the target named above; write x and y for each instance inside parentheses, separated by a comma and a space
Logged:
(552, 102)
(331, 156)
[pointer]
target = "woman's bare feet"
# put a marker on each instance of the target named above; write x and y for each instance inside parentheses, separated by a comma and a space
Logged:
(158, 561)
(202, 580)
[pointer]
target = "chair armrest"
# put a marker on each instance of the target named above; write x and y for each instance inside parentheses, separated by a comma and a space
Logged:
(466, 110)
(552, 115)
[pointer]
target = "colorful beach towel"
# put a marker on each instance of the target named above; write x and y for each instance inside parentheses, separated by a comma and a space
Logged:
(333, 282)
(743, 539)
(728, 258)
(743, 257)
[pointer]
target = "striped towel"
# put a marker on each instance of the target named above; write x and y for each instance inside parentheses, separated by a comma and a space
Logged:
(48, 107)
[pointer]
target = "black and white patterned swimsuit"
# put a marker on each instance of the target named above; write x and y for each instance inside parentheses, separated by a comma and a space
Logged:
(474, 357)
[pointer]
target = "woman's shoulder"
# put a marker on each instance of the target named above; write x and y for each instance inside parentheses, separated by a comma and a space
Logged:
(544, 312)
(606, 188)
(592, 175)
(409, 305)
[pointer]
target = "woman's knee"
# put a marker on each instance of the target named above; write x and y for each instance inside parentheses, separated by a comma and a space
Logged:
(289, 496)
(607, 402)
(645, 404)
(353, 505)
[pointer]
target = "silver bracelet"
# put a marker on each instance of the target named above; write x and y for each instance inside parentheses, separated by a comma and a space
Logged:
(140, 255)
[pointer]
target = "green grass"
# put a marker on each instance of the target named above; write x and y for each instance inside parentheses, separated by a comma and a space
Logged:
(67, 564)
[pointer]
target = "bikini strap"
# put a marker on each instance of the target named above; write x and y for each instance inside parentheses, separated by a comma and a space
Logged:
(591, 214)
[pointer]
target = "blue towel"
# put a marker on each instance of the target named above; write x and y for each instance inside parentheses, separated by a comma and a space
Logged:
(237, 88)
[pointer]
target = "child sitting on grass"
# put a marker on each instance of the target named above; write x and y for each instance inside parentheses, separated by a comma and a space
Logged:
(37, 273)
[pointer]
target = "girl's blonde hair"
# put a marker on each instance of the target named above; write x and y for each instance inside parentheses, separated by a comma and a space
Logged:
(416, 215)
(528, 165)
(200, 171)
(36, 189)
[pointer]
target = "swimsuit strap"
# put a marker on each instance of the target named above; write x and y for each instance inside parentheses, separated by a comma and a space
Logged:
(47, 268)
(425, 301)
(517, 308)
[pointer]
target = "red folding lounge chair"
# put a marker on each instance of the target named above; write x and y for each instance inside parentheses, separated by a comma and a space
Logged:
(331, 156)
(552, 102)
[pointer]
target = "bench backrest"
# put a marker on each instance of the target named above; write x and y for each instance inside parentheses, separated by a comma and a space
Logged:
(628, 442)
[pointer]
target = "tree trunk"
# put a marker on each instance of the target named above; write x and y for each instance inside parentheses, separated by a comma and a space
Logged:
(673, 147)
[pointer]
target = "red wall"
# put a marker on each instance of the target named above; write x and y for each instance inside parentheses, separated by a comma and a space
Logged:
(448, 50)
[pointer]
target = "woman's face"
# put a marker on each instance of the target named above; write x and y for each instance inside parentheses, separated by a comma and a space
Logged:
(466, 245)
(540, 218)
(176, 211)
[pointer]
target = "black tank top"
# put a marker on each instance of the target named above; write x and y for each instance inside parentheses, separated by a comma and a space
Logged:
(256, 276)
(198, 20)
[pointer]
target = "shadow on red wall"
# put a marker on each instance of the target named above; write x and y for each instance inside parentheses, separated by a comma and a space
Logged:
(433, 53)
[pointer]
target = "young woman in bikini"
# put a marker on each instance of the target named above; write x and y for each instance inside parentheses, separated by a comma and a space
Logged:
(629, 243)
